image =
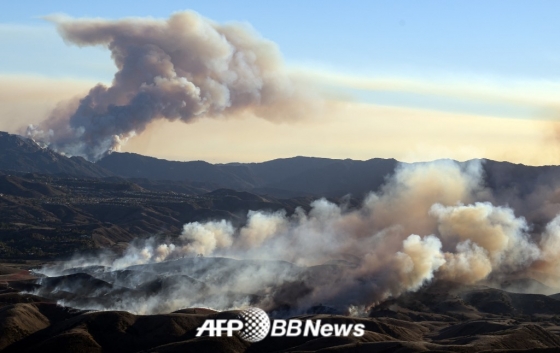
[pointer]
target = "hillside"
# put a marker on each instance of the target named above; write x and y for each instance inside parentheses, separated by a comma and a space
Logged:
(279, 178)
(440, 317)
(289, 177)
(124, 195)
(48, 216)
(21, 154)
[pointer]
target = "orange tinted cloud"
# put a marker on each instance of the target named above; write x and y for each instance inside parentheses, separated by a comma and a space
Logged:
(343, 130)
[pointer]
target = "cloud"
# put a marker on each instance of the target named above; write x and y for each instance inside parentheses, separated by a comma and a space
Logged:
(540, 94)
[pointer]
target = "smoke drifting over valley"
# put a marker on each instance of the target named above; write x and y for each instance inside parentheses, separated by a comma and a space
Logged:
(183, 68)
(430, 221)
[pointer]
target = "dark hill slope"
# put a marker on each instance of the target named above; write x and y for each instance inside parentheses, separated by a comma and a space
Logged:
(340, 177)
(302, 176)
(21, 154)
(440, 317)
(518, 178)
(290, 177)
(13, 185)
(44, 216)
(133, 165)
(277, 169)
(281, 178)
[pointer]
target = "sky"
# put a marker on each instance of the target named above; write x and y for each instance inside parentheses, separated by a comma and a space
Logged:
(411, 80)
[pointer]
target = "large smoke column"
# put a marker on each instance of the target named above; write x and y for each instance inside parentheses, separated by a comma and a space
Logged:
(429, 221)
(182, 68)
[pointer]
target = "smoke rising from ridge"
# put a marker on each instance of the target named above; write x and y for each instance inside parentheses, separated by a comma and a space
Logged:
(183, 68)
(429, 221)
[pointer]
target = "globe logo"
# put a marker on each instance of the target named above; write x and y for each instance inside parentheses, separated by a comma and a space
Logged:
(256, 324)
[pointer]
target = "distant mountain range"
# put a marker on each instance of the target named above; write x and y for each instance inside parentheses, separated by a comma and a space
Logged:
(290, 177)
(283, 178)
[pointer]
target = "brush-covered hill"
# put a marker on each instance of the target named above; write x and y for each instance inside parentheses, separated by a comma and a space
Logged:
(289, 177)
(45, 195)
(319, 177)
(48, 216)
(21, 154)
(441, 316)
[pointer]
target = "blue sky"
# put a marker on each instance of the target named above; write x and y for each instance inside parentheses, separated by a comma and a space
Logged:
(484, 58)
(421, 38)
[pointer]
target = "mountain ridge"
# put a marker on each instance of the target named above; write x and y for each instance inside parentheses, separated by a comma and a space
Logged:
(281, 178)
(21, 154)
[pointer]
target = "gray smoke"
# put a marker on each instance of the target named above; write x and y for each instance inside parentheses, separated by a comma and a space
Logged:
(429, 221)
(183, 68)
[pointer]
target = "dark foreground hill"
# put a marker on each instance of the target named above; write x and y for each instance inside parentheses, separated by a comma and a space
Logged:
(440, 317)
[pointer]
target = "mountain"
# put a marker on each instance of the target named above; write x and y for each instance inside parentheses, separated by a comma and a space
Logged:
(338, 178)
(309, 176)
(50, 216)
(21, 154)
(131, 165)
(279, 178)
(439, 317)
(289, 177)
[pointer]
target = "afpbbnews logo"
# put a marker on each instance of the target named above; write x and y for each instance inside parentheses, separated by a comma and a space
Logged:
(253, 325)
(292, 328)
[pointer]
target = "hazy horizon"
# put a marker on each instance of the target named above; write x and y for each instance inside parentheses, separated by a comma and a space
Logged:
(395, 80)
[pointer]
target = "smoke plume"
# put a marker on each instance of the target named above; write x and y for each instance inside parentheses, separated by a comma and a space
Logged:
(429, 221)
(183, 68)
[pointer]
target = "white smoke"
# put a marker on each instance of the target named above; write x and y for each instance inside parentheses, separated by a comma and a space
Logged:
(430, 221)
